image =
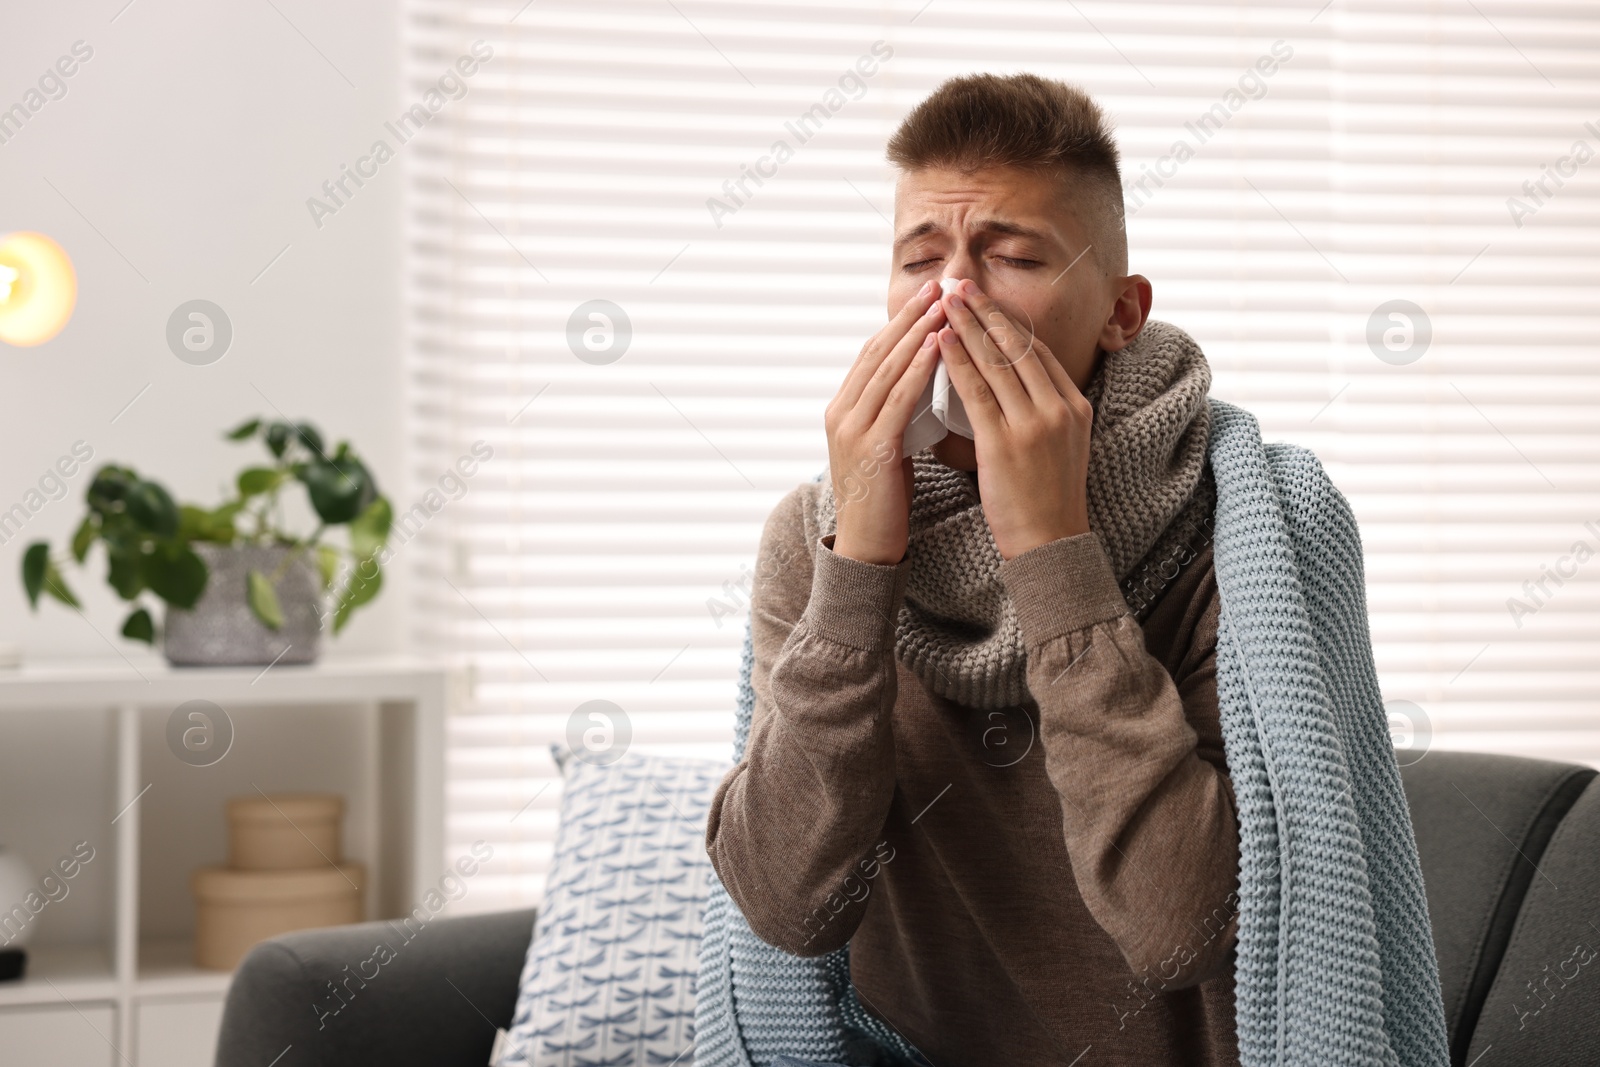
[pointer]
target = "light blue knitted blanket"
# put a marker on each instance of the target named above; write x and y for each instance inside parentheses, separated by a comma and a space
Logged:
(1335, 963)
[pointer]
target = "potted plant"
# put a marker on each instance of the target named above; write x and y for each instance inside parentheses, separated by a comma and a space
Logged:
(237, 587)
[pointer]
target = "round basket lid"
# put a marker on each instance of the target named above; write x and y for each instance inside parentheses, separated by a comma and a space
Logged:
(295, 807)
(223, 885)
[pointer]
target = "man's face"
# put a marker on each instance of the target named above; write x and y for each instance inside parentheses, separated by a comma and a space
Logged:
(1014, 233)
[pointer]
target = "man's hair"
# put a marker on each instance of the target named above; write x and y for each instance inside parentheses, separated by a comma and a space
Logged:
(1022, 120)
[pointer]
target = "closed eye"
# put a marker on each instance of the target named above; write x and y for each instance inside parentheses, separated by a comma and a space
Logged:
(1025, 264)
(921, 264)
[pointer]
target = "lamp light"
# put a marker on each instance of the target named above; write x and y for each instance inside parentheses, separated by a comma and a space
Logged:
(38, 288)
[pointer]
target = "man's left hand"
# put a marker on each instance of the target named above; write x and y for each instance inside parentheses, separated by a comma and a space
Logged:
(1030, 424)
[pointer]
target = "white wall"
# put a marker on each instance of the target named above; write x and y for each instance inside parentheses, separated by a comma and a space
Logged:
(191, 140)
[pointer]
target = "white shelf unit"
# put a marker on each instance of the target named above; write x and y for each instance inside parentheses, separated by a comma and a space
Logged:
(83, 755)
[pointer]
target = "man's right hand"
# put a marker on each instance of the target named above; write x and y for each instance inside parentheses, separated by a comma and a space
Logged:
(866, 423)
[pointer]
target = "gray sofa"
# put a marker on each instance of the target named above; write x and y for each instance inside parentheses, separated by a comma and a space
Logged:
(1510, 850)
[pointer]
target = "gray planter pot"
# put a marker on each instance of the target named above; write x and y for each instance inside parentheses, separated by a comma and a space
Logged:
(221, 630)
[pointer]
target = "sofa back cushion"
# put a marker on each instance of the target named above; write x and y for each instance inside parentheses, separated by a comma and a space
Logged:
(1481, 823)
(1545, 1001)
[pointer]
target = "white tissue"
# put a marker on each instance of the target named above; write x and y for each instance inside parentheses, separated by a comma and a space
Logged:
(939, 410)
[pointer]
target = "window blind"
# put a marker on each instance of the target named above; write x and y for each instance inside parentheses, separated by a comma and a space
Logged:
(1378, 219)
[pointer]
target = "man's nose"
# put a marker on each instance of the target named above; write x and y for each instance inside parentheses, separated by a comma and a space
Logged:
(963, 264)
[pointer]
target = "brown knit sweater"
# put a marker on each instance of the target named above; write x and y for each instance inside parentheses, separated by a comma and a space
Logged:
(1019, 886)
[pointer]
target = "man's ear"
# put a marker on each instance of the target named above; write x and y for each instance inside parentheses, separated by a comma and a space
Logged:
(1129, 312)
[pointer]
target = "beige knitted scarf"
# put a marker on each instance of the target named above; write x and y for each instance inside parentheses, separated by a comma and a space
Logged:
(1150, 496)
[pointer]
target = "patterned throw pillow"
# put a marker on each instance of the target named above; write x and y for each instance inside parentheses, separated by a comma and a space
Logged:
(610, 975)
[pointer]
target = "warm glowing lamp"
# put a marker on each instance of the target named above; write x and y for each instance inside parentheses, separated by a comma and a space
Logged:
(38, 288)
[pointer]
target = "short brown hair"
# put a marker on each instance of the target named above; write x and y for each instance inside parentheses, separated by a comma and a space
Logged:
(1022, 120)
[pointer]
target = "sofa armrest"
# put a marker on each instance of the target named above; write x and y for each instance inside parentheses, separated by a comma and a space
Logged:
(377, 993)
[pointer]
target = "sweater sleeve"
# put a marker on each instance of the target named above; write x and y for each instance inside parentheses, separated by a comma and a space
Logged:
(794, 829)
(1135, 754)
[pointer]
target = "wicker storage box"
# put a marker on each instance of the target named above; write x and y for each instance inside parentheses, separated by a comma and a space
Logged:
(284, 831)
(236, 909)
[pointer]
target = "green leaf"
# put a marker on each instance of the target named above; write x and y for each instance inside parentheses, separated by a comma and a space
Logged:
(278, 437)
(364, 585)
(221, 521)
(244, 430)
(88, 530)
(192, 522)
(175, 574)
(56, 586)
(370, 529)
(221, 529)
(122, 534)
(198, 524)
(152, 507)
(264, 600)
(109, 489)
(254, 481)
(327, 564)
(39, 575)
(339, 490)
(35, 561)
(126, 573)
(140, 627)
(310, 437)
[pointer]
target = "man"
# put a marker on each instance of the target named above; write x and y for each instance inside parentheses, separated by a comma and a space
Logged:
(985, 749)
